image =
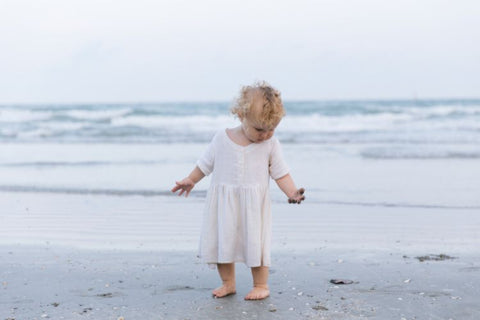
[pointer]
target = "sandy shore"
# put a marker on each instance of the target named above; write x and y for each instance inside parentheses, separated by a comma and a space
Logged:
(76, 284)
(104, 257)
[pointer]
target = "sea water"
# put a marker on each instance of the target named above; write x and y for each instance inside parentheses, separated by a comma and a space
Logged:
(410, 123)
(423, 153)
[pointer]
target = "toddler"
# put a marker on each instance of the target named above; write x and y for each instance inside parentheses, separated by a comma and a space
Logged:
(237, 217)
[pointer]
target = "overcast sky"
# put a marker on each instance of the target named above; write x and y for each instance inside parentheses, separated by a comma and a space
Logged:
(63, 51)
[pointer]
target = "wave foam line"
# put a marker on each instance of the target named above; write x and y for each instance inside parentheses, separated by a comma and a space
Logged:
(396, 205)
(418, 155)
(104, 192)
(78, 163)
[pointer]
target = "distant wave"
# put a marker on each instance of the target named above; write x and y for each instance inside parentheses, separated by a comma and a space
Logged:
(396, 205)
(203, 193)
(78, 163)
(419, 153)
(106, 192)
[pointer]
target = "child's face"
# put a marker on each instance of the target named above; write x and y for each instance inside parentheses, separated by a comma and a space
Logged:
(255, 130)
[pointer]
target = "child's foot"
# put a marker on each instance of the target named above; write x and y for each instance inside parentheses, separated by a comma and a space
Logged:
(258, 293)
(224, 291)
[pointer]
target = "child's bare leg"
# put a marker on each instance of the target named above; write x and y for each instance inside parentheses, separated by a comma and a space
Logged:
(260, 286)
(227, 273)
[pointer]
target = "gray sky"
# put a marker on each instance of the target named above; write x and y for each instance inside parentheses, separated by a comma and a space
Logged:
(152, 50)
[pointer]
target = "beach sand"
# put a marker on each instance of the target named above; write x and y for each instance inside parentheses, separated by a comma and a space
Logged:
(105, 257)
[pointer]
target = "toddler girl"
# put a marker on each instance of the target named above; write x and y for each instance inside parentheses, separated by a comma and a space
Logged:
(237, 217)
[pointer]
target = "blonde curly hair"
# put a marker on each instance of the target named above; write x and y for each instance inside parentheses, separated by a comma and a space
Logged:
(272, 111)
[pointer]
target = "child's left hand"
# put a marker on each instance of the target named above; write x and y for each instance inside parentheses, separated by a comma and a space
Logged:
(298, 197)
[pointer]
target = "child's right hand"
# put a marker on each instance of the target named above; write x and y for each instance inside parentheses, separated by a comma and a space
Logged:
(186, 185)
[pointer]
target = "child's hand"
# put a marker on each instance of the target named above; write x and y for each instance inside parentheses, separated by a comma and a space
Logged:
(186, 185)
(297, 197)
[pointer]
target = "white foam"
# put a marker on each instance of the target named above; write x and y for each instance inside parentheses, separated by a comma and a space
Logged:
(45, 129)
(18, 116)
(429, 111)
(63, 126)
(352, 123)
(98, 114)
(36, 133)
(175, 123)
(310, 123)
(8, 133)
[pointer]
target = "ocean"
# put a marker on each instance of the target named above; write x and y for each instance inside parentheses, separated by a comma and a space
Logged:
(350, 122)
(422, 153)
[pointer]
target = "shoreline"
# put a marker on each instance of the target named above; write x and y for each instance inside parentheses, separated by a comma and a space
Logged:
(161, 223)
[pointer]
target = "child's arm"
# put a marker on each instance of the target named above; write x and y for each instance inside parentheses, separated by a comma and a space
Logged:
(187, 184)
(287, 185)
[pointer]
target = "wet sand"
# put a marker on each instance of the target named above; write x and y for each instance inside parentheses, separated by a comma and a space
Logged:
(103, 257)
(77, 284)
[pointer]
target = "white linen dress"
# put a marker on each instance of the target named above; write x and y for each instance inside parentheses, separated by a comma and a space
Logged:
(237, 220)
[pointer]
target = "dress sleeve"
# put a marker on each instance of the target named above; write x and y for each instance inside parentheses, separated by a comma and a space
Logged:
(277, 166)
(206, 162)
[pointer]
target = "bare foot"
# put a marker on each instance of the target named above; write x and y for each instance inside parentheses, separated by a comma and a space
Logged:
(258, 293)
(224, 291)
